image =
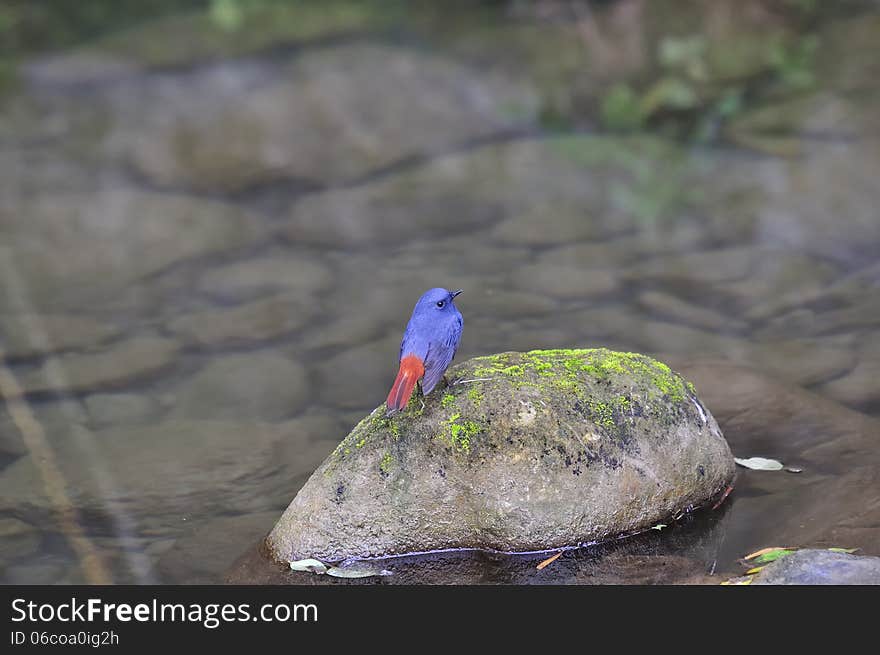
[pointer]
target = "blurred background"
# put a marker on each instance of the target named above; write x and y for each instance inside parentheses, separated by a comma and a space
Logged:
(216, 216)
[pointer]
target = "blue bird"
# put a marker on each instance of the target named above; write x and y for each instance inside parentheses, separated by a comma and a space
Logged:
(428, 346)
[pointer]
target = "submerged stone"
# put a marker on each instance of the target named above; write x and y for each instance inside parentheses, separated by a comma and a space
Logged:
(816, 566)
(520, 452)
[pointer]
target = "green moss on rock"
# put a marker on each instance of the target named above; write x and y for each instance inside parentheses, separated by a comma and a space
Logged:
(386, 465)
(458, 432)
(574, 369)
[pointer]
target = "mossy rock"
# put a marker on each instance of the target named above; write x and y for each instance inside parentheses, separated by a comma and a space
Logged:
(519, 452)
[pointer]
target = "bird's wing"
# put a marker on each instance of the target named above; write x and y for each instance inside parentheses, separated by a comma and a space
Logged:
(409, 343)
(439, 357)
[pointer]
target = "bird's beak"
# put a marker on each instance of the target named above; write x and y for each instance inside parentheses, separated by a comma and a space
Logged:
(455, 293)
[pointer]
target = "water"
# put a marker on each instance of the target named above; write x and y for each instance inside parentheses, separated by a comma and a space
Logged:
(209, 247)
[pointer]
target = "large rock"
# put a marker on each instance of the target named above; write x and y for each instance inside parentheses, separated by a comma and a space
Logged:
(524, 451)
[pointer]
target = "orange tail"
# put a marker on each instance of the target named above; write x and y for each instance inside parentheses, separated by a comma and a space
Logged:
(410, 372)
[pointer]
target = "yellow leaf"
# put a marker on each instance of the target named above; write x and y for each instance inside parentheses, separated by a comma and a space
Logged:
(754, 570)
(769, 549)
(549, 560)
(738, 581)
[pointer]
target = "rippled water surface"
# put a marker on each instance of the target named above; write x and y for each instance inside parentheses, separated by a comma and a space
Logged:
(214, 225)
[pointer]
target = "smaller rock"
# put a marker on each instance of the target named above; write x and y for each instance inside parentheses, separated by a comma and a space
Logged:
(859, 388)
(114, 408)
(805, 362)
(654, 336)
(117, 364)
(566, 283)
(22, 334)
(260, 320)
(674, 308)
(42, 572)
(861, 311)
(17, 538)
(502, 303)
(86, 68)
(816, 567)
(599, 254)
(263, 385)
(550, 226)
(288, 272)
(724, 265)
(11, 444)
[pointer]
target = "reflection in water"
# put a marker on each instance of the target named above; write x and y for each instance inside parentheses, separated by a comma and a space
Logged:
(210, 245)
(685, 552)
(43, 456)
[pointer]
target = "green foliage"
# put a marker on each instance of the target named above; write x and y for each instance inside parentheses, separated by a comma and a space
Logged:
(687, 54)
(793, 64)
(228, 15)
(27, 26)
(699, 86)
(657, 172)
(621, 108)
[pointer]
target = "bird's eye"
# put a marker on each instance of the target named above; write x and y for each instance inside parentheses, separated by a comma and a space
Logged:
(440, 303)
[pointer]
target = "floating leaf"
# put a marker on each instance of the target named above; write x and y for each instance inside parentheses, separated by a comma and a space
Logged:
(794, 469)
(848, 551)
(762, 551)
(310, 565)
(549, 561)
(759, 463)
(659, 526)
(723, 497)
(754, 570)
(356, 571)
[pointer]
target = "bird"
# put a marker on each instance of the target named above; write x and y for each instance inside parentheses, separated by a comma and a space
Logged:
(428, 346)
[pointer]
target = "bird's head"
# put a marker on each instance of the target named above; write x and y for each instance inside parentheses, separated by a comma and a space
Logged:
(437, 302)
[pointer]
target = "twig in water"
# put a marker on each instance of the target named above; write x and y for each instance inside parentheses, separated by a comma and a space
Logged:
(549, 561)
